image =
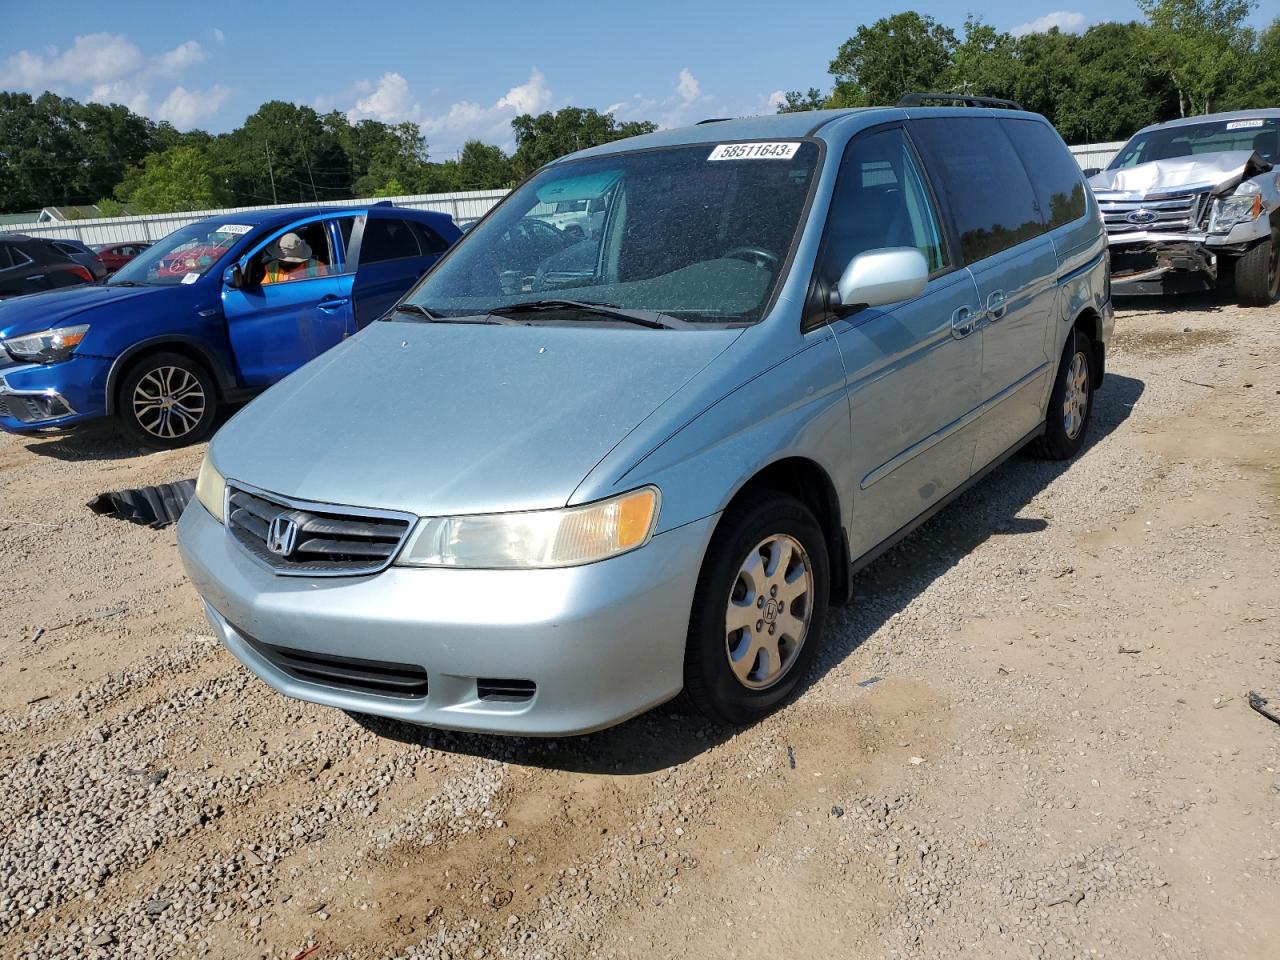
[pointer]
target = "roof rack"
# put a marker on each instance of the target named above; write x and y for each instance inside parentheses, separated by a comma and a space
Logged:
(713, 120)
(964, 100)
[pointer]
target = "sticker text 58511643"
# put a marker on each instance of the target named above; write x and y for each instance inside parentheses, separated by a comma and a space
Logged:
(754, 151)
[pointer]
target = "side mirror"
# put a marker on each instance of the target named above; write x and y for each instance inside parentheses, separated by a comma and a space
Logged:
(1091, 172)
(233, 277)
(877, 277)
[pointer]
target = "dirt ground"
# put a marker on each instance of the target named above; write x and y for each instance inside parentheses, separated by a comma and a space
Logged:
(1056, 760)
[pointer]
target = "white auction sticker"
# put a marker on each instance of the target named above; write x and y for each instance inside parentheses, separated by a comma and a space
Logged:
(754, 151)
(190, 278)
(1243, 124)
(233, 228)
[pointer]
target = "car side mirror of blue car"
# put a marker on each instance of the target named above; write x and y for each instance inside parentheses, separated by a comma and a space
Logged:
(233, 277)
(878, 277)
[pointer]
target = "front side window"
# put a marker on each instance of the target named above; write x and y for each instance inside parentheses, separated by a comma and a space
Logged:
(1261, 135)
(300, 253)
(6, 260)
(986, 185)
(699, 232)
(880, 201)
(184, 256)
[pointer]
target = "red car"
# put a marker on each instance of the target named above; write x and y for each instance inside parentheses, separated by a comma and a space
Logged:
(116, 255)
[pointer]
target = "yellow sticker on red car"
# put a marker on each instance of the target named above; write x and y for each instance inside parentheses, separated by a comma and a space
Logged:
(783, 150)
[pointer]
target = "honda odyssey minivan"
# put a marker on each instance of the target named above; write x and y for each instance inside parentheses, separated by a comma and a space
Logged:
(557, 486)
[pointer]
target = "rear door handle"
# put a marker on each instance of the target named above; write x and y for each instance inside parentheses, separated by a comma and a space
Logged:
(963, 322)
(332, 303)
(996, 305)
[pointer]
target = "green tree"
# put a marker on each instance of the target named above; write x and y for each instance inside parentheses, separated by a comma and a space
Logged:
(1204, 45)
(984, 63)
(179, 179)
(879, 63)
(483, 166)
(795, 101)
(548, 136)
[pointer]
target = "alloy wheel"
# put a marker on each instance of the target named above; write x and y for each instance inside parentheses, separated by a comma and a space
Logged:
(1076, 403)
(768, 613)
(169, 402)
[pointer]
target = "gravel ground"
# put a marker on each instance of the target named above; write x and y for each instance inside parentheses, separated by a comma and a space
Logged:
(1056, 760)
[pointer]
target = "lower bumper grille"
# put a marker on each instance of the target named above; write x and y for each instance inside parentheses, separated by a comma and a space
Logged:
(505, 691)
(403, 680)
(307, 539)
(33, 407)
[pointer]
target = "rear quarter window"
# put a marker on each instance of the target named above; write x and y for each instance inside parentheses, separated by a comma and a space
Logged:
(990, 197)
(1055, 175)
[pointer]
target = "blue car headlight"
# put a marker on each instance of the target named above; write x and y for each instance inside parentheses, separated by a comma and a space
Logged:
(47, 346)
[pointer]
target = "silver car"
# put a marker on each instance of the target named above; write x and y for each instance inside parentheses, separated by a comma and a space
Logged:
(556, 486)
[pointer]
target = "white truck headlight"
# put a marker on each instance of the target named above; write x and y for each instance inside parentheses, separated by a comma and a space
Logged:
(568, 537)
(1237, 209)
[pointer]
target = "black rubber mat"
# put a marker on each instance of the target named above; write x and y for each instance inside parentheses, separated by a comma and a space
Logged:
(154, 507)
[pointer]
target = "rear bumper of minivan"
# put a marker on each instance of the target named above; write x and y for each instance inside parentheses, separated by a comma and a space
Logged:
(528, 652)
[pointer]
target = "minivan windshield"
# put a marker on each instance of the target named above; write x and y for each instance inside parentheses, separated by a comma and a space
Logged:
(699, 233)
(183, 256)
(1184, 140)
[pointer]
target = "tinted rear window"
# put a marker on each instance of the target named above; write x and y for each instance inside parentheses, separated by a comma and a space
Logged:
(1055, 175)
(985, 183)
(387, 240)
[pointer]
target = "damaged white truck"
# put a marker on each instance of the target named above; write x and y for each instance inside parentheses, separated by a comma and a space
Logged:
(1193, 203)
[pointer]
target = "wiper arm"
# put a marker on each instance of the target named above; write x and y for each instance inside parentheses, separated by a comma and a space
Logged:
(655, 321)
(126, 283)
(415, 309)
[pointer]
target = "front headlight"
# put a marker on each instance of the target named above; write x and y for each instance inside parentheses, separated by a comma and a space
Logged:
(539, 538)
(211, 489)
(47, 345)
(1235, 210)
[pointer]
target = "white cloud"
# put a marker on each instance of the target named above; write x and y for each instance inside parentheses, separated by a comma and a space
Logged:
(219, 35)
(687, 86)
(391, 101)
(185, 108)
(533, 96)
(110, 68)
(775, 100)
(1068, 21)
(686, 104)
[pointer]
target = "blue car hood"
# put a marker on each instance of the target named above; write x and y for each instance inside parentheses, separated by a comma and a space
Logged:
(72, 305)
(441, 418)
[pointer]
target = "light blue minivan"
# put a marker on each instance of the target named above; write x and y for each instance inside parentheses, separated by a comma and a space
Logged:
(564, 480)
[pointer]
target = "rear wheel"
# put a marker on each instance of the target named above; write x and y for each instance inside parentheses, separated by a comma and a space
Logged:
(1258, 273)
(1070, 403)
(759, 609)
(166, 400)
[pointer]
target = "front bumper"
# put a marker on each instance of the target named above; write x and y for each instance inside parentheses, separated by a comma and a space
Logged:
(38, 396)
(601, 642)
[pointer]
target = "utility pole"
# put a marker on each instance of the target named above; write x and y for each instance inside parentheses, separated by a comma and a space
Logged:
(270, 173)
(306, 156)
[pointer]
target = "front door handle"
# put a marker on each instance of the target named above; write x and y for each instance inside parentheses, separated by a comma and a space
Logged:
(332, 303)
(963, 322)
(996, 305)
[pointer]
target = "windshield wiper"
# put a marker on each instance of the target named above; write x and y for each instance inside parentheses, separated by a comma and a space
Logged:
(127, 283)
(643, 318)
(414, 309)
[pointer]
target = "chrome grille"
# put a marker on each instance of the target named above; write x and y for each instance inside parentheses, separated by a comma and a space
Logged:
(1177, 213)
(329, 541)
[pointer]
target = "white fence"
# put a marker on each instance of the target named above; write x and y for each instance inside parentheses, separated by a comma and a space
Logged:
(463, 207)
(1096, 154)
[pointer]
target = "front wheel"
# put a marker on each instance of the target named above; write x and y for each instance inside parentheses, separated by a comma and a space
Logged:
(166, 400)
(758, 610)
(1258, 273)
(1070, 403)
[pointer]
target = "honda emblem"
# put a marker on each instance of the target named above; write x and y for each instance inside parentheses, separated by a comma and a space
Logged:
(282, 535)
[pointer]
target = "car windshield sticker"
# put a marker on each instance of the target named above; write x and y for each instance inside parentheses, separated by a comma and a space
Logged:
(754, 151)
(1243, 124)
(237, 228)
(190, 278)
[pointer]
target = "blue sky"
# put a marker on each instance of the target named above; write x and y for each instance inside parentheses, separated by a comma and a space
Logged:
(458, 69)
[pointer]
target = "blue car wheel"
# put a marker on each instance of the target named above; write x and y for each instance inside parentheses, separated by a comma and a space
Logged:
(166, 400)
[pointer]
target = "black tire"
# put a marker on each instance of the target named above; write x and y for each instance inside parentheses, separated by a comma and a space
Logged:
(1258, 273)
(1063, 437)
(191, 408)
(711, 684)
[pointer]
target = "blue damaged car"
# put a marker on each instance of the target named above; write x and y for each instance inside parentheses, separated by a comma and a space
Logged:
(213, 313)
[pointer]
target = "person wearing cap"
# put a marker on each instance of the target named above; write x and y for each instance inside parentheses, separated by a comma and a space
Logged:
(294, 260)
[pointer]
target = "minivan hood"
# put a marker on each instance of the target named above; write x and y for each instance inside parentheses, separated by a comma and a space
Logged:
(448, 418)
(39, 311)
(1219, 172)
